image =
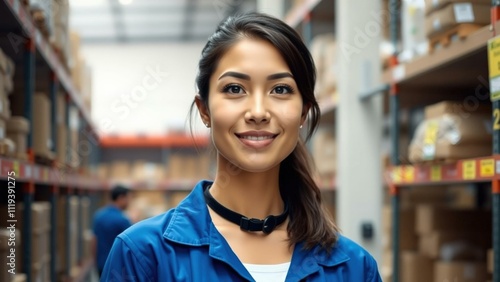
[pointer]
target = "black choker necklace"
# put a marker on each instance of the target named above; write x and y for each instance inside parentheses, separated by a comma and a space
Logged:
(247, 224)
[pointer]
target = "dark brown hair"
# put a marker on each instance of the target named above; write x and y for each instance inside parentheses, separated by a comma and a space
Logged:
(309, 222)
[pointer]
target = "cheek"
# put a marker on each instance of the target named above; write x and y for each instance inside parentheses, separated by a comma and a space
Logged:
(290, 114)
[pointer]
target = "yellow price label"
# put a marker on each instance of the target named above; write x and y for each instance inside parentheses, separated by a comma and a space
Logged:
(436, 173)
(469, 170)
(494, 56)
(487, 168)
(397, 174)
(15, 168)
(494, 67)
(431, 132)
(409, 174)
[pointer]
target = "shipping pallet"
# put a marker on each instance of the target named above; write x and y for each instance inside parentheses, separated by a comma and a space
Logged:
(454, 34)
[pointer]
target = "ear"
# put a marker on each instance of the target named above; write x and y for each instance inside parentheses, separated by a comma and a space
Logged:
(305, 110)
(203, 109)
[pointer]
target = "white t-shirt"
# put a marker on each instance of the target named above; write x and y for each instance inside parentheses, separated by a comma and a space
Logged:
(268, 272)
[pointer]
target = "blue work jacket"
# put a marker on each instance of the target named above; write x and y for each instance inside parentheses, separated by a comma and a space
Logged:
(184, 245)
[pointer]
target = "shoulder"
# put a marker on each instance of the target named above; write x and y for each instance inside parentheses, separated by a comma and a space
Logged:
(148, 231)
(359, 258)
(101, 212)
(146, 238)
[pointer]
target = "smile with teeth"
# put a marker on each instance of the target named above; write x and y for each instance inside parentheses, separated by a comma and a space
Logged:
(256, 138)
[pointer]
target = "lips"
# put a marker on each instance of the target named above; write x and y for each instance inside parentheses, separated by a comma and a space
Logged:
(256, 139)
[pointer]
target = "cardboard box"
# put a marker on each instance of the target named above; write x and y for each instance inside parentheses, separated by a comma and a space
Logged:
(430, 219)
(17, 130)
(5, 112)
(411, 197)
(459, 271)
(42, 141)
(433, 5)
(456, 108)
(453, 14)
(20, 277)
(3, 126)
(320, 46)
(120, 170)
(40, 241)
(431, 244)
(40, 215)
(490, 260)
(62, 144)
(325, 151)
(41, 271)
(408, 239)
(452, 137)
(416, 267)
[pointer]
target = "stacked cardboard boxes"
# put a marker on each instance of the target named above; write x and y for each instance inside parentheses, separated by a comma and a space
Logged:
(324, 53)
(490, 260)
(10, 241)
(67, 209)
(42, 128)
(143, 171)
(17, 130)
(443, 244)
(60, 34)
(40, 239)
(456, 240)
(188, 166)
(324, 153)
(454, 19)
(407, 242)
(452, 131)
(7, 68)
(62, 130)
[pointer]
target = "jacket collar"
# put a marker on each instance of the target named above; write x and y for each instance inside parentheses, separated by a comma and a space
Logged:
(191, 225)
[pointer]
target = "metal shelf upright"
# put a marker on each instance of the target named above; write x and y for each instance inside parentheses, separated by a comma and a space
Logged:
(495, 17)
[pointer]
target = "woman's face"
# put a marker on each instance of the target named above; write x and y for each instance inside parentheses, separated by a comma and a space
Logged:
(254, 107)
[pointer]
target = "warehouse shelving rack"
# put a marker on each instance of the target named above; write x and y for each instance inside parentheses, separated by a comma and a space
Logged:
(165, 145)
(36, 58)
(307, 18)
(462, 65)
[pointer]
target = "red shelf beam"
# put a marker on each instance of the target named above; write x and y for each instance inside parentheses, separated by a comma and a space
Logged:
(471, 170)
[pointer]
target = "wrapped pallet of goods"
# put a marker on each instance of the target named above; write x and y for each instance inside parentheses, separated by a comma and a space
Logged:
(414, 41)
(454, 21)
(448, 135)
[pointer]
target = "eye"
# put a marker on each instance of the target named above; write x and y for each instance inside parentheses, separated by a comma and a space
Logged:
(233, 89)
(282, 89)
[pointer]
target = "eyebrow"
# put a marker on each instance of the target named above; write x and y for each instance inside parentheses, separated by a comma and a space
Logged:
(247, 77)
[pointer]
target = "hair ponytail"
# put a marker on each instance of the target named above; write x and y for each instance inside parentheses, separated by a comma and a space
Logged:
(309, 220)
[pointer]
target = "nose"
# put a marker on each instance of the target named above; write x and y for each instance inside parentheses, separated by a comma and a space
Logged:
(257, 109)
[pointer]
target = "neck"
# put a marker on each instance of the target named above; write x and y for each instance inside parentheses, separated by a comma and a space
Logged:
(252, 194)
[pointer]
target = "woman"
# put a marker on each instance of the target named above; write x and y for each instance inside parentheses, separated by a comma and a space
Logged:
(261, 219)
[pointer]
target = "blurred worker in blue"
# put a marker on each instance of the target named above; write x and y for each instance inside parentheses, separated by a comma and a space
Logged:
(108, 223)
